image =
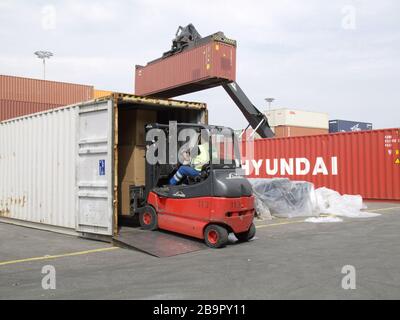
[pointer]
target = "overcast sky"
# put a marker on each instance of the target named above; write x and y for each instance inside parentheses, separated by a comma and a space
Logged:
(340, 57)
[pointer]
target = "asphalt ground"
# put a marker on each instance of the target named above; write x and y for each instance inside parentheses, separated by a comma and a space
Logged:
(289, 259)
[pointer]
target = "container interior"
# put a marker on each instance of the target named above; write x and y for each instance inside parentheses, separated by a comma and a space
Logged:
(132, 119)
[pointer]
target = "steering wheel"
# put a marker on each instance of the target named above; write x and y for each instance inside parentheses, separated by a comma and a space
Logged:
(205, 171)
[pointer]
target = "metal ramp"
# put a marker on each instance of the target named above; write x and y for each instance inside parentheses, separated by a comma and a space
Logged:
(160, 244)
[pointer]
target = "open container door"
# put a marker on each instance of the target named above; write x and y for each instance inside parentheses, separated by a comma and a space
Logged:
(94, 196)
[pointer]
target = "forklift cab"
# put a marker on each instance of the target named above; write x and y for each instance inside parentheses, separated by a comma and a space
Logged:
(224, 162)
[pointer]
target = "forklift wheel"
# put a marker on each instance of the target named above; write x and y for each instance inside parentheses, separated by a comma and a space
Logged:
(248, 235)
(216, 236)
(148, 218)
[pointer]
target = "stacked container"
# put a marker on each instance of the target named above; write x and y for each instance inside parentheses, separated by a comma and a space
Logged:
(293, 123)
(348, 126)
(23, 96)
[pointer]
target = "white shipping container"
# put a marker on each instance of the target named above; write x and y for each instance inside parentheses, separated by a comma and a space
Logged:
(47, 168)
(37, 168)
(59, 169)
(297, 118)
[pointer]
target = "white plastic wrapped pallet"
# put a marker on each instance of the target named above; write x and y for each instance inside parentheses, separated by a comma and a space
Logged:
(284, 198)
(290, 199)
(333, 203)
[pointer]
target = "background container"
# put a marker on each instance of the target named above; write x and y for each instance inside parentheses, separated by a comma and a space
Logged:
(297, 118)
(31, 95)
(12, 109)
(348, 126)
(295, 131)
(101, 93)
(365, 163)
(60, 169)
(195, 69)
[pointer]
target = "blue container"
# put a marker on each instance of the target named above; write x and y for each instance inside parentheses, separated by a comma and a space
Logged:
(348, 126)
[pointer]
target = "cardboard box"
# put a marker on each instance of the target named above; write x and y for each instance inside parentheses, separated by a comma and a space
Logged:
(132, 124)
(131, 151)
(124, 198)
(143, 118)
(132, 164)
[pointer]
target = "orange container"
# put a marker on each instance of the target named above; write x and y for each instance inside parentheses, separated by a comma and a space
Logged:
(365, 163)
(101, 93)
(194, 69)
(295, 131)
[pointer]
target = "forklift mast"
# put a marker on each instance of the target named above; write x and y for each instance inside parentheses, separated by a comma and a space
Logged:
(257, 120)
(187, 37)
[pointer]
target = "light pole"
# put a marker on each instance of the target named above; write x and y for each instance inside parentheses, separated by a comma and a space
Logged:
(269, 101)
(44, 55)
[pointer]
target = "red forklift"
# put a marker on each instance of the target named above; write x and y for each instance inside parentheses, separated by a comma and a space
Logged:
(217, 202)
(220, 200)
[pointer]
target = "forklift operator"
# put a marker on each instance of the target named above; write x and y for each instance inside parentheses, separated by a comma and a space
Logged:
(192, 167)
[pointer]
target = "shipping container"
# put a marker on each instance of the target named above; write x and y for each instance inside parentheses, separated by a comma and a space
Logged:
(12, 109)
(295, 131)
(42, 92)
(297, 118)
(348, 126)
(365, 163)
(101, 93)
(194, 69)
(65, 169)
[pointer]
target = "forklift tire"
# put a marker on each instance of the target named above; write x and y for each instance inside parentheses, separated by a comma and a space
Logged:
(148, 218)
(215, 236)
(248, 235)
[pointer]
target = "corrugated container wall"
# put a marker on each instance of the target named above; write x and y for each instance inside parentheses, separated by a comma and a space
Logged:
(192, 70)
(12, 109)
(22, 96)
(38, 179)
(101, 93)
(365, 163)
(294, 131)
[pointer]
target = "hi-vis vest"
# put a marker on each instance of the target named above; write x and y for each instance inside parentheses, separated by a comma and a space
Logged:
(202, 158)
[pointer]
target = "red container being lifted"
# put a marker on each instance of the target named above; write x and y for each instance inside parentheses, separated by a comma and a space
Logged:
(365, 163)
(208, 64)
